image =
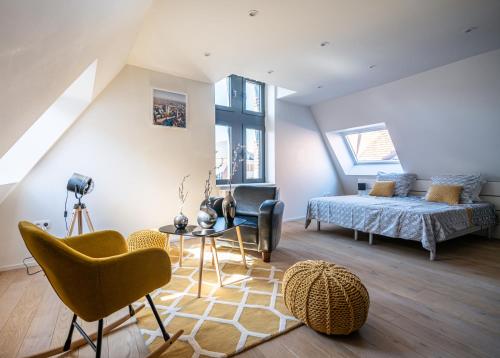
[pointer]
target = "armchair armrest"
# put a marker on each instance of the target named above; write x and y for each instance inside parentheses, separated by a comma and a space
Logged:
(98, 244)
(269, 224)
(125, 278)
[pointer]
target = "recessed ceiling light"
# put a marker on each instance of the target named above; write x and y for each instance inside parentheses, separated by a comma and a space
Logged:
(253, 13)
(270, 72)
(470, 29)
(371, 67)
(320, 87)
(324, 43)
(207, 54)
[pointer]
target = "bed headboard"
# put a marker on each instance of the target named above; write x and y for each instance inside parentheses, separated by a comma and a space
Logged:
(490, 193)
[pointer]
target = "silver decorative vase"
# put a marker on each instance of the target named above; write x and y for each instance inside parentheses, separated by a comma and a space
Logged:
(229, 208)
(207, 217)
(181, 221)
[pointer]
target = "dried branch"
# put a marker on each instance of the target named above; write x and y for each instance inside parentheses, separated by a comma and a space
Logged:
(208, 186)
(239, 154)
(183, 195)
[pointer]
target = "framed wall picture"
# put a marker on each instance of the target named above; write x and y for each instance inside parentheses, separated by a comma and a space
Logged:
(169, 108)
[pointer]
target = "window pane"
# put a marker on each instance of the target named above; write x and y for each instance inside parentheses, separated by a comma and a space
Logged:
(253, 96)
(253, 140)
(223, 152)
(373, 146)
(222, 88)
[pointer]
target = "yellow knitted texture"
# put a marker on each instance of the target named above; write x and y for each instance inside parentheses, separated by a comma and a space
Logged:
(146, 239)
(326, 297)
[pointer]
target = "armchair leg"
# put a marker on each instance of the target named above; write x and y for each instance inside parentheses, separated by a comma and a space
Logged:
(67, 344)
(86, 339)
(166, 336)
(266, 256)
(99, 338)
(169, 340)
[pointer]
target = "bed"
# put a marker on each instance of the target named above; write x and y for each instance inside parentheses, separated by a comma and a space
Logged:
(410, 218)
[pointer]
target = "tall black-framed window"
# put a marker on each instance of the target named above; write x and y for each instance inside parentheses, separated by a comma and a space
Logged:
(240, 120)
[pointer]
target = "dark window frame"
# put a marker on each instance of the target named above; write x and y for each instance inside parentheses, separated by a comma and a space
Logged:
(231, 95)
(238, 119)
(262, 98)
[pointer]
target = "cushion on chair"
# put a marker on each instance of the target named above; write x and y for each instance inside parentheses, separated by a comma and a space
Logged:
(326, 297)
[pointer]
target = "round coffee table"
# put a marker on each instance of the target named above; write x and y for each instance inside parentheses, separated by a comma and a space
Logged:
(219, 229)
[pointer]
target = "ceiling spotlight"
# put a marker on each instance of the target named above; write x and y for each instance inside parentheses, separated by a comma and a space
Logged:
(470, 29)
(270, 72)
(207, 54)
(371, 67)
(324, 43)
(320, 87)
(253, 13)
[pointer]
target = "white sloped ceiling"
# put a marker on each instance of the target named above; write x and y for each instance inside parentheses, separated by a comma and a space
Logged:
(46, 45)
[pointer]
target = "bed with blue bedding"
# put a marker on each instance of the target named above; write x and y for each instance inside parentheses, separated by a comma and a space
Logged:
(410, 218)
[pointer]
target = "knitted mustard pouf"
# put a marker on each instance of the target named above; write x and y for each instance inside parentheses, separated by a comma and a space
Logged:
(326, 297)
(145, 239)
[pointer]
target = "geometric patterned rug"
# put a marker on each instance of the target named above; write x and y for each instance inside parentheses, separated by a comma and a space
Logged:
(248, 310)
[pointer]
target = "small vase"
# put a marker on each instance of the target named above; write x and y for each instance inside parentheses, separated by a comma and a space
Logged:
(229, 208)
(207, 217)
(181, 221)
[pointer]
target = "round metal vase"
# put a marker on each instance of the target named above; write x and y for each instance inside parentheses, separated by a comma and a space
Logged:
(181, 221)
(210, 202)
(229, 208)
(207, 217)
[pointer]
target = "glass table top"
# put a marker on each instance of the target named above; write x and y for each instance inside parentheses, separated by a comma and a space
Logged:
(219, 228)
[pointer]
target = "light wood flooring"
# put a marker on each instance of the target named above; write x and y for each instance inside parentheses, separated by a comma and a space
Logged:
(446, 308)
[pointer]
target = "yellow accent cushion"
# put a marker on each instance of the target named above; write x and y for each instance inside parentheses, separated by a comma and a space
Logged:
(383, 188)
(449, 194)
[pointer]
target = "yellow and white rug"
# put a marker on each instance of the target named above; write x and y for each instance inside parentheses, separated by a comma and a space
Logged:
(248, 310)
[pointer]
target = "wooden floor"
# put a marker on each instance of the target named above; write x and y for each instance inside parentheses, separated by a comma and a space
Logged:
(446, 308)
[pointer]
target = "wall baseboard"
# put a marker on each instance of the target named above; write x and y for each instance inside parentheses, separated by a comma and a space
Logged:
(16, 266)
(294, 219)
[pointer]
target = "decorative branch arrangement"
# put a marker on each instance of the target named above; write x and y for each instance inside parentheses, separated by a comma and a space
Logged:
(208, 186)
(238, 157)
(183, 195)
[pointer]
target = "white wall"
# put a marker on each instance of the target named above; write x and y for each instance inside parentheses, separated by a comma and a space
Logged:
(446, 120)
(136, 166)
(303, 166)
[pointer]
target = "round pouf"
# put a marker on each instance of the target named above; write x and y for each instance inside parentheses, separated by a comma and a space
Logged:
(326, 297)
(145, 239)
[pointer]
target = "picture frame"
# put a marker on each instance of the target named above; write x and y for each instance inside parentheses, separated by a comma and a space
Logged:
(169, 108)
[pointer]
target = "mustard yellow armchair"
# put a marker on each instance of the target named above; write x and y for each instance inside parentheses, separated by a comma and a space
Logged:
(95, 275)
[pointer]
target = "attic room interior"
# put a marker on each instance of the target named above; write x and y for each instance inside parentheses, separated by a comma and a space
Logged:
(249, 178)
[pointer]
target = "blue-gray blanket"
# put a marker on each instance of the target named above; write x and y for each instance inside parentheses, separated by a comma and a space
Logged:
(410, 218)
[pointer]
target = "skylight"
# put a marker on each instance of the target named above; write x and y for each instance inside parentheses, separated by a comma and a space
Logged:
(39, 138)
(371, 145)
(364, 150)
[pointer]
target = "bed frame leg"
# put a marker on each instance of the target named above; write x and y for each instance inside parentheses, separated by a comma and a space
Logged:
(432, 256)
(356, 235)
(319, 225)
(490, 231)
(370, 238)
